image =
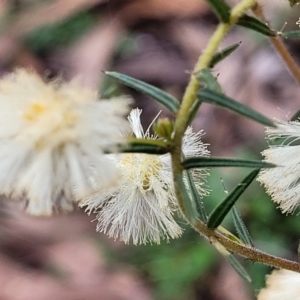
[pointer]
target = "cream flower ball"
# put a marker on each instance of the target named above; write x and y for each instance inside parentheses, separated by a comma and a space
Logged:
(141, 208)
(281, 285)
(52, 141)
(283, 182)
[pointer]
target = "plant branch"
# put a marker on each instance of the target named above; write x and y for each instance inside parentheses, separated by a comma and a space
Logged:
(190, 93)
(247, 251)
(176, 151)
(280, 48)
(203, 62)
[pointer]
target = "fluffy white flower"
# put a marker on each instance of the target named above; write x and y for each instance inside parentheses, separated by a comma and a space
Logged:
(52, 139)
(283, 182)
(281, 285)
(141, 208)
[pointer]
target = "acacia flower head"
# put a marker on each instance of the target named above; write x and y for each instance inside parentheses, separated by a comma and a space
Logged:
(53, 137)
(283, 182)
(141, 209)
(281, 285)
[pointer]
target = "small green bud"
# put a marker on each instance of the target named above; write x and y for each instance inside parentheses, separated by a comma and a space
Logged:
(164, 128)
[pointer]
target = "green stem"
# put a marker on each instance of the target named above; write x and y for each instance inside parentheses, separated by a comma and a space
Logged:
(176, 151)
(203, 62)
(191, 90)
(190, 93)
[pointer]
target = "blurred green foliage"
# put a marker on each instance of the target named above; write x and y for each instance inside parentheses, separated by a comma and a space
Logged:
(174, 268)
(170, 268)
(49, 37)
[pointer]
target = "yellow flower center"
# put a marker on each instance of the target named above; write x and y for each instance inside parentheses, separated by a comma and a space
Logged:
(34, 111)
(56, 120)
(143, 167)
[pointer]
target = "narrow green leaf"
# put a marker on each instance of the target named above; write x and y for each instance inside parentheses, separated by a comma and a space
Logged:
(220, 212)
(256, 25)
(196, 198)
(212, 97)
(241, 228)
(229, 235)
(189, 208)
(230, 258)
(238, 267)
(209, 162)
(145, 146)
(223, 54)
(157, 94)
(295, 34)
(208, 80)
(296, 116)
(221, 9)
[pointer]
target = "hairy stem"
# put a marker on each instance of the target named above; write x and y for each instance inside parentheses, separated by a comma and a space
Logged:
(203, 62)
(247, 251)
(280, 48)
(191, 91)
(176, 151)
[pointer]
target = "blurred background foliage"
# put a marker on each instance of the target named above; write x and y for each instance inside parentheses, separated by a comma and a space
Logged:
(156, 41)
